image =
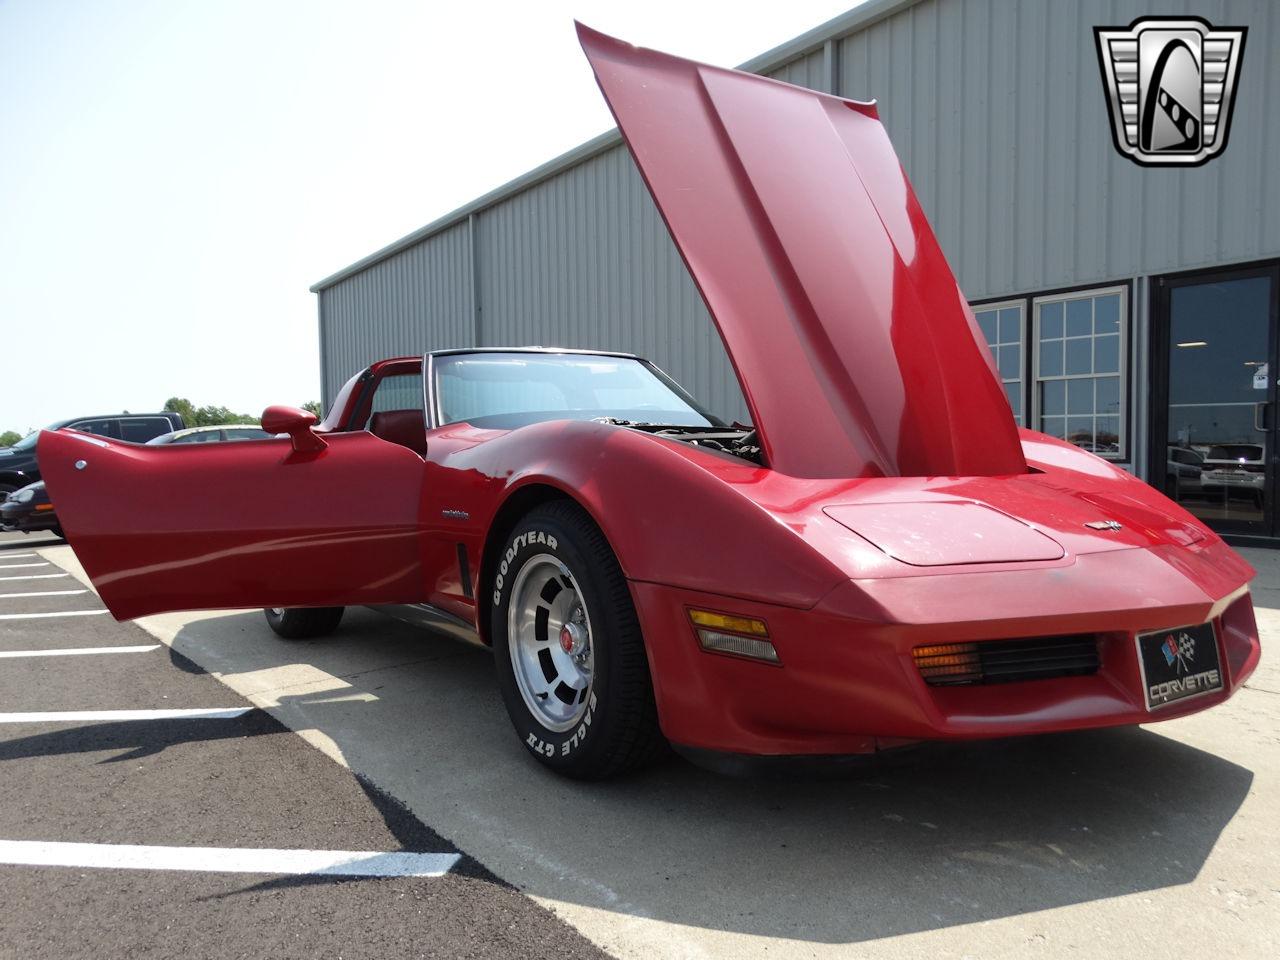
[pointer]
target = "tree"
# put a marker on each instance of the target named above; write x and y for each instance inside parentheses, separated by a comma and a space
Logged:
(313, 406)
(183, 406)
(9, 438)
(208, 416)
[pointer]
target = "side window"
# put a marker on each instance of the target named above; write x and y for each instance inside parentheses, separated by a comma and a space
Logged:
(101, 428)
(142, 429)
(403, 391)
(400, 391)
(247, 433)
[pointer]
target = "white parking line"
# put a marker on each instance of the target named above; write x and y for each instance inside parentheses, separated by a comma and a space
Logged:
(78, 716)
(332, 863)
(78, 651)
(20, 566)
(38, 616)
(37, 576)
(43, 593)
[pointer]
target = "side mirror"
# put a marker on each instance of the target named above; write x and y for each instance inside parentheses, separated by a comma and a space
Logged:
(297, 424)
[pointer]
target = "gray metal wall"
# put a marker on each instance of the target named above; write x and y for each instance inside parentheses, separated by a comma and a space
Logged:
(416, 301)
(997, 110)
(584, 260)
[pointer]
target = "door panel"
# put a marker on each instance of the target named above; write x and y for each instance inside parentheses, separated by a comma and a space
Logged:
(1220, 439)
(249, 524)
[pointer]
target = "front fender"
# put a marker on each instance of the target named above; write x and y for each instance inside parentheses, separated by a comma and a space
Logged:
(674, 514)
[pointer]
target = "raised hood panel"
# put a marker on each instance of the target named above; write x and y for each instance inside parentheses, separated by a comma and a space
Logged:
(854, 346)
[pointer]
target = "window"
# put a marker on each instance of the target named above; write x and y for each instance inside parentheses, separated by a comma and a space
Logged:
(1002, 325)
(102, 428)
(1080, 369)
(505, 390)
(200, 436)
(142, 429)
(246, 433)
(398, 391)
(391, 391)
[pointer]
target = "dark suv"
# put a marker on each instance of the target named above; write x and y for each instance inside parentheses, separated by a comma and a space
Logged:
(18, 463)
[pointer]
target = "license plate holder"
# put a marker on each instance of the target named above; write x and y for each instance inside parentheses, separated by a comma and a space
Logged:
(1179, 664)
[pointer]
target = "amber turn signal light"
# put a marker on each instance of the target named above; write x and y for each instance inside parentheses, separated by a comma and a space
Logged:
(723, 621)
(948, 662)
(736, 636)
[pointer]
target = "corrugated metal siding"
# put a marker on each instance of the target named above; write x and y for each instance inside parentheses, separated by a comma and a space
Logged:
(583, 260)
(805, 72)
(416, 301)
(998, 112)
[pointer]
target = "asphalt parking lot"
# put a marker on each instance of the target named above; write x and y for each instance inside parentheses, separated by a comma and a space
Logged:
(116, 749)
(1158, 841)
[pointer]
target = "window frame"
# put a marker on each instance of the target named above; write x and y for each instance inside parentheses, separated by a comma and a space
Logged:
(1005, 304)
(1123, 372)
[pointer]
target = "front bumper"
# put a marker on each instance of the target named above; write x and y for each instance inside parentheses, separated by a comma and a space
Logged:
(847, 682)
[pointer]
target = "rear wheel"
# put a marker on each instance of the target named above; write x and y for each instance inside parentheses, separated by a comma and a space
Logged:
(570, 659)
(303, 623)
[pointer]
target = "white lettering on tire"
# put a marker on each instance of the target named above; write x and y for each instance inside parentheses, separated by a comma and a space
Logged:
(520, 542)
(545, 749)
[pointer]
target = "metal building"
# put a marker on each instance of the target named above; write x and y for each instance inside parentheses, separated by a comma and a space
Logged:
(1130, 309)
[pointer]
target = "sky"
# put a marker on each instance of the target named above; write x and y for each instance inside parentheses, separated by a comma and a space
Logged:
(174, 175)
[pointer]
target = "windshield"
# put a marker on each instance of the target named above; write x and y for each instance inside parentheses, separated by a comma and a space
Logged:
(28, 442)
(506, 390)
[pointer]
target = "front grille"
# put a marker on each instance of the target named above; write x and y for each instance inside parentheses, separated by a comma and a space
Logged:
(1007, 661)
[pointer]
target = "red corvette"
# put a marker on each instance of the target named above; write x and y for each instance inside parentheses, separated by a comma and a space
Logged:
(881, 557)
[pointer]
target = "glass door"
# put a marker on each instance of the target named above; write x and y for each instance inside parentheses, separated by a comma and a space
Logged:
(1216, 333)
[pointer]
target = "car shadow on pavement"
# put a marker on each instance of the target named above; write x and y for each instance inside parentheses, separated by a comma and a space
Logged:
(138, 738)
(937, 837)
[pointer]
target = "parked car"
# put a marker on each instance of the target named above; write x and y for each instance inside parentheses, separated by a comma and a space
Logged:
(18, 466)
(1183, 471)
(1235, 468)
(212, 434)
(881, 556)
(28, 510)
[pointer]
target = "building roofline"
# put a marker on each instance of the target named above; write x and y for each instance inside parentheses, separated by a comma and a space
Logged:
(846, 23)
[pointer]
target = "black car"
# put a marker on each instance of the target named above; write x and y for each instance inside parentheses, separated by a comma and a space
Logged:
(18, 465)
(28, 510)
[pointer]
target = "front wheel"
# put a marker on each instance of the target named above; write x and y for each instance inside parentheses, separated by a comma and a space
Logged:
(570, 659)
(303, 623)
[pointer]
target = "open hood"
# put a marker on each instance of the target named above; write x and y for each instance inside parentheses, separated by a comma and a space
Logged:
(855, 348)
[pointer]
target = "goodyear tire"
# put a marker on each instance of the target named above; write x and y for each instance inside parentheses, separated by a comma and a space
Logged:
(303, 623)
(570, 659)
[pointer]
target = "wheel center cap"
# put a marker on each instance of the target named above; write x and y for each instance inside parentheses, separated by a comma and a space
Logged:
(572, 638)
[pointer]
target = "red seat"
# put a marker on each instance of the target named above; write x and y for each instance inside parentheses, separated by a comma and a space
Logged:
(405, 427)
